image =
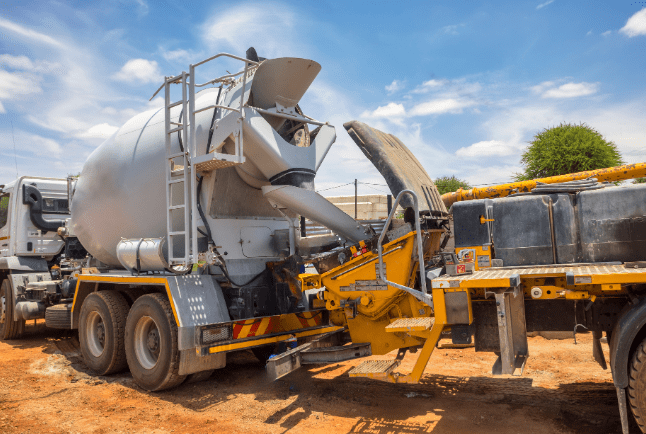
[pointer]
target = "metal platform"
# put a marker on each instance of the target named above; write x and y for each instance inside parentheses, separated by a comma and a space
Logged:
(374, 368)
(418, 324)
(575, 275)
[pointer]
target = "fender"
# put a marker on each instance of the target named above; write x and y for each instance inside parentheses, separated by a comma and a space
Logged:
(621, 341)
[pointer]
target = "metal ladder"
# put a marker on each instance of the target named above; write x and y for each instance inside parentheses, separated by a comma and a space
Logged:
(183, 180)
(191, 163)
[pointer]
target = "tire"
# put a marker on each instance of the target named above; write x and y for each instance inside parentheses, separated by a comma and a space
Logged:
(151, 344)
(637, 386)
(101, 332)
(9, 329)
(59, 316)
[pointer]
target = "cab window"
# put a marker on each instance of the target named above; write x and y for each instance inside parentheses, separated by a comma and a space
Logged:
(4, 209)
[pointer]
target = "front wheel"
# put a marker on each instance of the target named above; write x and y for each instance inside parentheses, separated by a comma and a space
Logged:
(9, 329)
(151, 343)
(637, 386)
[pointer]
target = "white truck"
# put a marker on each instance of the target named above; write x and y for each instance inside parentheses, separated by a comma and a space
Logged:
(36, 263)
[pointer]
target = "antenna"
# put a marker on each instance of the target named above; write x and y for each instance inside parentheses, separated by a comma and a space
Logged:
(15, 159)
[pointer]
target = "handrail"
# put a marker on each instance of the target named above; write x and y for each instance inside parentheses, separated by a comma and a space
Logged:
(422, 295)
(173, 79)
(192, 145)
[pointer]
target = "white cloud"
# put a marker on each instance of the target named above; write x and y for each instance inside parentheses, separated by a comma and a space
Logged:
(178, 56)
(16, 62)
(636, 25)
(142, 7)
(542, 5)
(100, 131)
(139, 70)
(272, 28)
(30, 34)
(439, 106)
(391, 110)
(549, 89)
(429, 85)
(589, 33)
(452, 29)
(487, 148)
(17, 83)
(395, 86)
(606, 33)
(2, 109)
(37, 144)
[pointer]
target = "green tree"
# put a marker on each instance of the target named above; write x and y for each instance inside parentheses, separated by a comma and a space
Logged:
(639, 181)
(448, 184)
(567, 149)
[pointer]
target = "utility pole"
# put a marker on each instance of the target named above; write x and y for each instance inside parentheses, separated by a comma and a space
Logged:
(355, 199)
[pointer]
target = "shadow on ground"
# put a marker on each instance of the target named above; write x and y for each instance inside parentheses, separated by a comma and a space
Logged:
(375, 407)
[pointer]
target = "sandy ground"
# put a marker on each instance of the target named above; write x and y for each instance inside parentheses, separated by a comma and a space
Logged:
(46, 388)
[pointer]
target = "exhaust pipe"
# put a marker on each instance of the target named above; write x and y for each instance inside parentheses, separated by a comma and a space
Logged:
(315, 207)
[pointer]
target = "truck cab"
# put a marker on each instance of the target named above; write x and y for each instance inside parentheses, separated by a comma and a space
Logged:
(19, 235)
(31, 211)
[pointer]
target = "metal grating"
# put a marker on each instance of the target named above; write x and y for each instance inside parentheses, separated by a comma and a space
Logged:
(208, 166)
(419, 324)
(374, 367)
(217, 334)
(584, 270)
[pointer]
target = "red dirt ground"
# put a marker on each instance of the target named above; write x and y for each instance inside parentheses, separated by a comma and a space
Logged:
(46, 388)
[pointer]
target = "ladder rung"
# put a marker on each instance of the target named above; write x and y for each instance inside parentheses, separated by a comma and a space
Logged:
(175, 181)
(176, 233)
(175, 104)
(177, 123)
(177, 207)
(179, 154)
(174, 130)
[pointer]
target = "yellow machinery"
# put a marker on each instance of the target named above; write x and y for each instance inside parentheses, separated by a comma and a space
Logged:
(610, 174)
(373, 296)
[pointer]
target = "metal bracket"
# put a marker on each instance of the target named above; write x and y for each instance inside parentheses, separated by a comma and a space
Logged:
(510, 311)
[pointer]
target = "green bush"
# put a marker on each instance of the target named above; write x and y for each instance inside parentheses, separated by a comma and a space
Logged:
(448, 184)
(567, 149)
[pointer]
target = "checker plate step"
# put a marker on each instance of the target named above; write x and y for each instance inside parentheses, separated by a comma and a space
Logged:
(371, 368)
(418, 324)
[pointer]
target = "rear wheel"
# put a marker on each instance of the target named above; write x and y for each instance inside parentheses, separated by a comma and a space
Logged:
(637, 386)
(101, 332)
(151, 343)
(9, 329)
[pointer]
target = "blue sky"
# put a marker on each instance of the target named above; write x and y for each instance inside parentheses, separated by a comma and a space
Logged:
(464, 84)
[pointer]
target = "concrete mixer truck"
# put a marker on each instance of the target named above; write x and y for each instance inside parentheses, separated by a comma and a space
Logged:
(179, 241)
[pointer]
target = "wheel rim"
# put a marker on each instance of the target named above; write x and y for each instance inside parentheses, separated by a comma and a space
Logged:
(147, 342)
(95, 333)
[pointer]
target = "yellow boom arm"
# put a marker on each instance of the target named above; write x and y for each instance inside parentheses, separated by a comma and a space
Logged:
(612, 174)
